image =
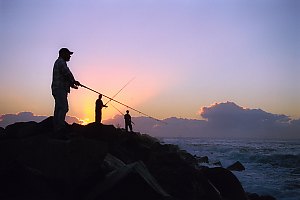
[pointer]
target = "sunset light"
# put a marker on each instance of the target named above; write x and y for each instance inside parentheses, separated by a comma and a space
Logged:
(86, 121)
(183, 55)
(181, 99)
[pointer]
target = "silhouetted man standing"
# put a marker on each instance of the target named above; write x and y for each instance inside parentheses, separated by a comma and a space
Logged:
(98, 109)
(62, 80)
(128, 121)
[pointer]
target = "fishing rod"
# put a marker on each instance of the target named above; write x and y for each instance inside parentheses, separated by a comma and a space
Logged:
(123, 104)
(120, 90)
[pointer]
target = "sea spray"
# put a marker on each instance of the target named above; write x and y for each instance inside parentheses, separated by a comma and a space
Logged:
(272, 166)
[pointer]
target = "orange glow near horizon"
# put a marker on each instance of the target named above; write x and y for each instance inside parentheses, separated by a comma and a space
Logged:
(85, 121)
(108, 79)
(83, 105)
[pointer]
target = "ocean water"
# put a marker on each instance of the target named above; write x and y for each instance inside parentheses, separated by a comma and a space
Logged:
(272, 166)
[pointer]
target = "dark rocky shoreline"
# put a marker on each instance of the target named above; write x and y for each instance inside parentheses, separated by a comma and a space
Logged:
(101, 162)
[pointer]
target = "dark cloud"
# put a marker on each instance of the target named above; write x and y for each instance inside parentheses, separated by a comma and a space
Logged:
(232, 120)
(7, 119)
(221, 120)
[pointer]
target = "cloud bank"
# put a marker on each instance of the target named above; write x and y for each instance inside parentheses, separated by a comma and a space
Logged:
(7, 119)
(223, 120)
(220, 120)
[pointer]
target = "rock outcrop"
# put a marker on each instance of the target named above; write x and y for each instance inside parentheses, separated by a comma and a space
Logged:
(237, 166)
(101, 162)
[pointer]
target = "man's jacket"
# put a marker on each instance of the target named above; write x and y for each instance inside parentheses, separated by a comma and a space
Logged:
(62, 76)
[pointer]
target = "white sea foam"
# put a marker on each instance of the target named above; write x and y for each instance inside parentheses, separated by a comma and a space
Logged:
(272, 166)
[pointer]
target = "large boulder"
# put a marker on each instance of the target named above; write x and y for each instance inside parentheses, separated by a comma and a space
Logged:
(1, 131)
(19, 181)
(237, 166)
(70, 161)
(111, 163)
(226, 183)
(21, 129)
(131, 181)
(176, 176)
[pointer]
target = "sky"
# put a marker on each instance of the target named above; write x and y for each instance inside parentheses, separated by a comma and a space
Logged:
(183, 55)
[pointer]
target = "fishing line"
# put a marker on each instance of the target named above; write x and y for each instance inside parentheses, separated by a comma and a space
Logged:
(124, 104)
(120, 90)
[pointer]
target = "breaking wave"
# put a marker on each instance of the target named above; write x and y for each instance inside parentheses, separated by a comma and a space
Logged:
(272, 166)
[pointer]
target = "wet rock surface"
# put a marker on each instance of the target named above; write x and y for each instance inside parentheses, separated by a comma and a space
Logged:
(101, 162)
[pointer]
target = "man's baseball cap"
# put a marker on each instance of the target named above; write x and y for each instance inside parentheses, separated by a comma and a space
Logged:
(65, 51)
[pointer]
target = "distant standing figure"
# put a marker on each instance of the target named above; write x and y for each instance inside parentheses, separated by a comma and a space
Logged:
(62, 80)
(128, 121)
(98, 109)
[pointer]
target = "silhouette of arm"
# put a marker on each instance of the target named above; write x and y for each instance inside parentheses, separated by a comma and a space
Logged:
(102, 105)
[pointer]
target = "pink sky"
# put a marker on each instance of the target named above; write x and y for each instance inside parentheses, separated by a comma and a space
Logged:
(184, 54)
